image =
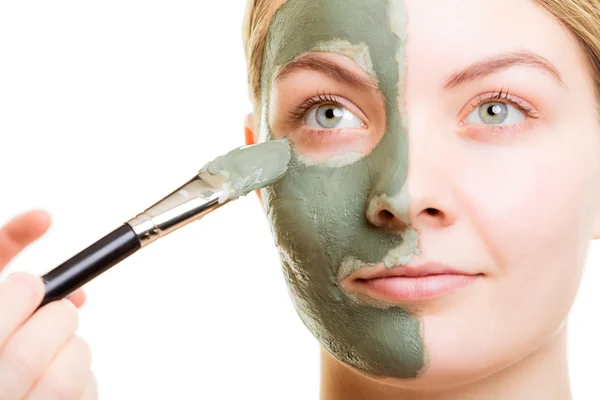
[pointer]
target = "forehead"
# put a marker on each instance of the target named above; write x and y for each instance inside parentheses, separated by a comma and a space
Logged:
(301, 25)
(377, 27)
(444, 34)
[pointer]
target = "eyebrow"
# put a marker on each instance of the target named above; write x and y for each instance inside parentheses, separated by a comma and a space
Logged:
(492, 65)
(333, 70)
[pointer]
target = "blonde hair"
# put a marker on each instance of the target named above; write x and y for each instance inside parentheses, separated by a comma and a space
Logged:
(256, 26)
(580, 17)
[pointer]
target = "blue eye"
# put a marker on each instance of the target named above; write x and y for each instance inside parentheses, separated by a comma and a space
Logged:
(496, 113)
(332, 116)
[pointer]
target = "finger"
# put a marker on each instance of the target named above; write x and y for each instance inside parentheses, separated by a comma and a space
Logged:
(21, 231)
(91, 389)
(30, 350)
(67, 376)
(77, 298)
(20, 295)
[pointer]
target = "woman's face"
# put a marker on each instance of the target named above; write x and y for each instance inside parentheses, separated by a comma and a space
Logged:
(454, 140)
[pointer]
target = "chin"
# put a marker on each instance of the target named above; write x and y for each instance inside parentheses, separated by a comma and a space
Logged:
(467, 342)
(452, 361)
(461, 350)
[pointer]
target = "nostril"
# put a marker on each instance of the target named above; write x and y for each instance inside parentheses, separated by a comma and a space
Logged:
(385, 217)
(432, 211)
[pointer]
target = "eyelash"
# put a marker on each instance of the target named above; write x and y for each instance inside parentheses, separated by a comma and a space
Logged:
(297, 115)
(507, 98)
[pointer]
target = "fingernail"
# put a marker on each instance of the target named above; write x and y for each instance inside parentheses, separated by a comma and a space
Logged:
(43, 215)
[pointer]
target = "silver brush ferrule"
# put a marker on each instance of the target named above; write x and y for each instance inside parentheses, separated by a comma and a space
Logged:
(192, 201)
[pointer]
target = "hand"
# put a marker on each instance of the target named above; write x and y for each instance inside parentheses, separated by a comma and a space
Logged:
(40, 356)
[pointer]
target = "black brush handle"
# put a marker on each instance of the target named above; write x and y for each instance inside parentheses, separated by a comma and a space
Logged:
(91, 262)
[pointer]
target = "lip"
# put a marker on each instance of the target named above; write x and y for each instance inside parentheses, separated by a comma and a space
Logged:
(406, 283)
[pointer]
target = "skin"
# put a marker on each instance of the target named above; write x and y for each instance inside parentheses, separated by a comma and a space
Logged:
(339, 234)
(517, 204)
(40, 355)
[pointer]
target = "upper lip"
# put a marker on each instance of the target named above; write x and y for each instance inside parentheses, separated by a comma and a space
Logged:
(412, 271)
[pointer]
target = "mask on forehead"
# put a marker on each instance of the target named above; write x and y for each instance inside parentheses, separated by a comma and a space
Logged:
(318, 213)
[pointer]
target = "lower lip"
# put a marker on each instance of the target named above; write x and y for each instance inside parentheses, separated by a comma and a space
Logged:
(404, 288)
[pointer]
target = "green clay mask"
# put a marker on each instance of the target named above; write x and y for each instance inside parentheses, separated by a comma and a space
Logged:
(318, 210)
(250, 168)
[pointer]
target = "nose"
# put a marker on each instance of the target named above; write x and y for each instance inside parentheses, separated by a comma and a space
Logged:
(389, 212)
(397, 213)
(426, 198)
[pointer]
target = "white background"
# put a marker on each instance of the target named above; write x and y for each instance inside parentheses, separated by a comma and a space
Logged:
(104, 108)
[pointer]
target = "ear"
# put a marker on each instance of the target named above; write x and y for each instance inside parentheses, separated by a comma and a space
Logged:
(249, 129)
(250, 138)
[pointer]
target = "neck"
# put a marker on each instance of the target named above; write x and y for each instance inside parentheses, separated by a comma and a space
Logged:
(541, 375)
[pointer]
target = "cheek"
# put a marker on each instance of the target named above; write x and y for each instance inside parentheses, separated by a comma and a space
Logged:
(311, 219)
(528, 203)
(529, 211)
(527, 206)
(530, 214)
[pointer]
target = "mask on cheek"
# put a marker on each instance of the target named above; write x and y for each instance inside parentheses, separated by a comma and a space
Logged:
(318, 213)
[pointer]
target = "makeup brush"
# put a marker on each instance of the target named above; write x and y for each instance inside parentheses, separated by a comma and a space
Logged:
(227, 178)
